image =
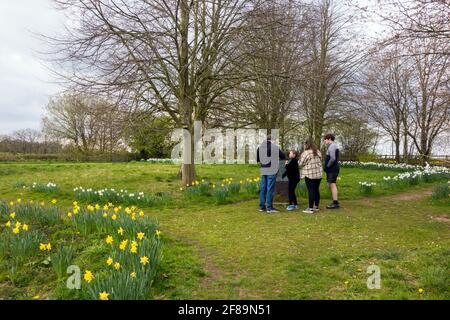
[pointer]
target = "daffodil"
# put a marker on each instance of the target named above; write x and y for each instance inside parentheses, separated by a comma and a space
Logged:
(69, 214)
(18, 224)
(75, 203)
(123, 245)
(114, 217)
(54, 201)
(109, 240)
(25, 227)
(128, 210)
(105, 207)
(141, 213)
(116, 210)
(109, 261)
(158, 234)
(8, 224)
(133, 275)
(117, 266)
(11, 203)
(15, 230)
(19, 200)
(90, 208)
(88, 276)
(49, 247)
(12, 215)
(140, 235)
(104, 295)
(105, 215)
(133, 248)
(421, 290)
(42, 247)
(120, 231)
(97, 206)
(144, 260)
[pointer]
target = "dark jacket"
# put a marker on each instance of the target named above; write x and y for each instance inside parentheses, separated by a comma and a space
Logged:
(292, 170)
(281, 155)
(331, 164)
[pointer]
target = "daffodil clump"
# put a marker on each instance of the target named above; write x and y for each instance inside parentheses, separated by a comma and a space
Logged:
(221, 191)
(129, 269)
(425, 174)
(120, 196)
(49, 187)
(130, 238)
(366, 187)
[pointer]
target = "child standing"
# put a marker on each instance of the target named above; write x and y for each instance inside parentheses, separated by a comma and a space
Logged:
(311, 163)
(293, 174)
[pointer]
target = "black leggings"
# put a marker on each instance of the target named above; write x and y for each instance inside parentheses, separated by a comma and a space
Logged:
(313, 191)
(292, 196)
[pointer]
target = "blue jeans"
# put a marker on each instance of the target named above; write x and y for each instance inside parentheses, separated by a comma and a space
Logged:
(267, 187)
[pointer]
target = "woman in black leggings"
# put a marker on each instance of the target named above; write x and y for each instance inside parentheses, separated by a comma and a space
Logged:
(311, 163)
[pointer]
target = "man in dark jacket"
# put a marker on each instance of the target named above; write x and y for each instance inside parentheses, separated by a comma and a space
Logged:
(268, 155)
(332, 169)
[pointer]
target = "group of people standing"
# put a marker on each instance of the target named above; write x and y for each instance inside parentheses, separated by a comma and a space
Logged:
(308, 165)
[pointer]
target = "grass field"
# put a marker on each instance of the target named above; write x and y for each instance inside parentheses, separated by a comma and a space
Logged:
(232, 251)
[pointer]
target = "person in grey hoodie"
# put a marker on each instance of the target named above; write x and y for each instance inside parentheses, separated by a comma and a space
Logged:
(332, 169)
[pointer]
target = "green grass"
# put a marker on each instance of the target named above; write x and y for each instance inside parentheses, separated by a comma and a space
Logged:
(232, 251)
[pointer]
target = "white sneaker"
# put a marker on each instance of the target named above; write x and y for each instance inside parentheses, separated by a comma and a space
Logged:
(308, 210)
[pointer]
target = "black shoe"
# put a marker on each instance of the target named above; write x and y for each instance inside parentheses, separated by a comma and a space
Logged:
(333, 206)
(272, 210)
(262, 209)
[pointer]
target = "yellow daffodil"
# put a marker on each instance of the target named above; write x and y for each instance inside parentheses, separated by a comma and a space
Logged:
(75, 203)
(8, 224)
(123, 245)
(42, 247)
(133, 275)
(116, 210)
(54, 201)
(76, 210)
(158, 234)
(105, 207)
(421, 290)
(90, 208)
(12, 215)
(134, 246)
(140, 235)
(120, 231)
(49, 247)
(97, 206)
(128, 210)
(15, 230)
(69, 214)
(19, 200)
(144, 260)
(109, 261)
(105, 215)
(109, 240)
(133, 216)
(18, 224)
(104, 295)
(88, 276)
(117, 266)
(141, 213)
(25, 227)
(11, 203)
(114, 217)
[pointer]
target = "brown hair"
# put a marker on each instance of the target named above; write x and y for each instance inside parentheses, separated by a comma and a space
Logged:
(295, 152)
(329, 136)
(310, 145)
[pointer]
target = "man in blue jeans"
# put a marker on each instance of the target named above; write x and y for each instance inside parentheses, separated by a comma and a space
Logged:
(268, 155)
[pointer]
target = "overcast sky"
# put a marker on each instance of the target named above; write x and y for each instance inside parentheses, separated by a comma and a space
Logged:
(25, 84)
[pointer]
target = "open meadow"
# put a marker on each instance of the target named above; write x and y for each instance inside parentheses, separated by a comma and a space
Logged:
(208, 241)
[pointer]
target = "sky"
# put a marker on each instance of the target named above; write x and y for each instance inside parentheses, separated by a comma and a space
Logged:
(25, 83)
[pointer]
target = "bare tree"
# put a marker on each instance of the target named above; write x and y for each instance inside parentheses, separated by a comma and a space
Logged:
(90, 124)
(429, 113)
(328, 76)
(384, 96)
(170, 56)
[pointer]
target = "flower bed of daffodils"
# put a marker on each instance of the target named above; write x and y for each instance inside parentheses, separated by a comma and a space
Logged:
(35, 234)
(420, 175)
(380, 166)
(222, 191)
